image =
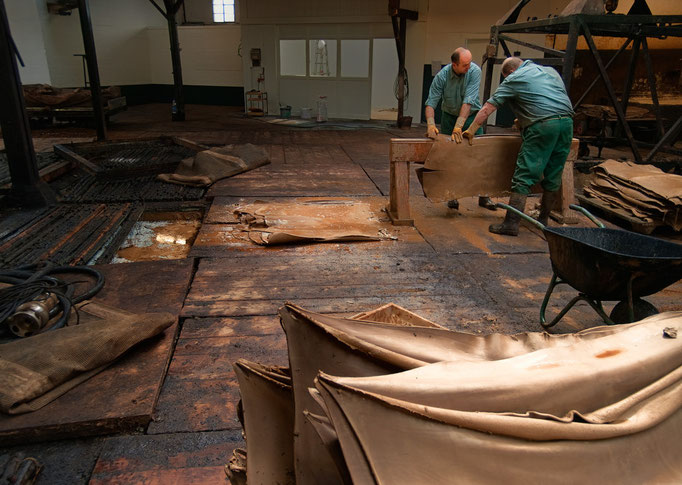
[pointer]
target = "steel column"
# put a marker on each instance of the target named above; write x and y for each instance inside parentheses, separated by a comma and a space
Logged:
(569, 56)
(612, 94)
(93, 71)
(596, 79)
(178, 111)
(652, 86)
(27, 188)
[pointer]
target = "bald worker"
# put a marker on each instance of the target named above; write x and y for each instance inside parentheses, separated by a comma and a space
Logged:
(456, 85)
(538, 97)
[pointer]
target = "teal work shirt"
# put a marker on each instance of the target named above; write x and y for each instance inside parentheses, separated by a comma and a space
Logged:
(455, 89)
(534, 93)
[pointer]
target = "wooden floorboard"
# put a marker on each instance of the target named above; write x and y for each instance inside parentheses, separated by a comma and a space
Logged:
(182, 458)
(201, 390)
(122, 397)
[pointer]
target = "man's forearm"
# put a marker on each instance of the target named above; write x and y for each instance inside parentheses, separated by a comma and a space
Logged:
(430, 114)
(463, 115)
(485, 112)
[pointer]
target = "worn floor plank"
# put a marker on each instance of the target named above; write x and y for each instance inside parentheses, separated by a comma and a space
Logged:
(201, 391)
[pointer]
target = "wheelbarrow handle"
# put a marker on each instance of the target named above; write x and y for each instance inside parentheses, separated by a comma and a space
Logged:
(518, 212)
(588, 214)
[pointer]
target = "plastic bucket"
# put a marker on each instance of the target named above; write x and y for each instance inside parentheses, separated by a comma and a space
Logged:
(306, 113)
(285, 111)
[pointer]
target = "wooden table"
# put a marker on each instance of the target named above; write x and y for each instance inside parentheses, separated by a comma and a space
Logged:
(404, 151)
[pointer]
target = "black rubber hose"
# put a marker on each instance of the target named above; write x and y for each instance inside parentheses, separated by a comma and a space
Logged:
(33, 279)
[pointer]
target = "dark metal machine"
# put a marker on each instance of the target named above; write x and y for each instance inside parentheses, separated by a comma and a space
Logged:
(589, 19)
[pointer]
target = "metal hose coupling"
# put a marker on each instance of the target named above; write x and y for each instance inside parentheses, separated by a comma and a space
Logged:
(32, 316)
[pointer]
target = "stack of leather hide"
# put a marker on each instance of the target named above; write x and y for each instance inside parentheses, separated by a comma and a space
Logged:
(405, 401)
(643, 191)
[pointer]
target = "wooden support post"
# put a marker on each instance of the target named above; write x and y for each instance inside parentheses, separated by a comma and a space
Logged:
(402, 152)
(562, 213)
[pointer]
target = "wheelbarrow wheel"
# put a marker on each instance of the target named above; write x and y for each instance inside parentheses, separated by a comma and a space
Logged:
(641, 309)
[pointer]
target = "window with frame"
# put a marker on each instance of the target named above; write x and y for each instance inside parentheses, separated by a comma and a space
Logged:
(223, 10)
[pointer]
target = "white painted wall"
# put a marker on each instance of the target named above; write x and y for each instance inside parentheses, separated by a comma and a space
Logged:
(27, 18)
(209, 55)
(120, 35)
(265, 22)
(131, 39)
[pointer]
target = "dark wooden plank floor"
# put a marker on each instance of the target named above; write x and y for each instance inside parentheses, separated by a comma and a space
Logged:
(448, 269)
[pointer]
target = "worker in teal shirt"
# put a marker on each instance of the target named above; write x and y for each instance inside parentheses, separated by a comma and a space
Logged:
(456, 85)
(538, 97)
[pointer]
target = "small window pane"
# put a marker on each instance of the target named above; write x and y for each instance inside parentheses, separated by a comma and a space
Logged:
(292, 57)
(322, 58)
(223, 11)
(355, 58)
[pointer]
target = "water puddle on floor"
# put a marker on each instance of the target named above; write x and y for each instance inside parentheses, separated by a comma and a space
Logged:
(160, 236)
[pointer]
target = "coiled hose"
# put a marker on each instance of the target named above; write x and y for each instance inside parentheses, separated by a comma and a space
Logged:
(29, 282)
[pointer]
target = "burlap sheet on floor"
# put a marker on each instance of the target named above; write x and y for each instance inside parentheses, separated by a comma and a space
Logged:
(37, 370)
(218, 163)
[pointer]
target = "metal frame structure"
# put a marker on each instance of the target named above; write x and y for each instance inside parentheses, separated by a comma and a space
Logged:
(635, 29)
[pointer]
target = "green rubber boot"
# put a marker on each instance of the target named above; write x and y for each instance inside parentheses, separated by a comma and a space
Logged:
(510, 225)
(546, 206)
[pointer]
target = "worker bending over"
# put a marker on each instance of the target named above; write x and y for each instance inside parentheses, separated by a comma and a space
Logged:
(538, 97)
(456, 85)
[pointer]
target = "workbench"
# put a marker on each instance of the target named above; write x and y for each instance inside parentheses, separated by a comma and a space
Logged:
(404, 151)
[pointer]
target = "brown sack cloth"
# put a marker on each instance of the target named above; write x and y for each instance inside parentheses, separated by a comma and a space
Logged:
(37, 370)
(603, 410)
(217, 163)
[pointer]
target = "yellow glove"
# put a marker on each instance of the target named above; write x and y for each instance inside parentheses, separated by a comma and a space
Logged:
(457, 131)
(431, 130)
(471, 132)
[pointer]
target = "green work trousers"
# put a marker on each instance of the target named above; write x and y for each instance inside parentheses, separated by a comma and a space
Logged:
(543, 153)
(447, 123)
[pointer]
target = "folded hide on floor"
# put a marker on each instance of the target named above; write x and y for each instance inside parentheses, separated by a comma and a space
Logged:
(604, 410)
(380, 342)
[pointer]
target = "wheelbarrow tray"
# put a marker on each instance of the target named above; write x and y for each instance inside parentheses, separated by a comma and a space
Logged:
(599, 262)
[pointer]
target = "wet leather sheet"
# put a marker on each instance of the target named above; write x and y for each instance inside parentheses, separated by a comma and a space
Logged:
(490, 389)
(603, 410)
(453, 171)
(306, 220)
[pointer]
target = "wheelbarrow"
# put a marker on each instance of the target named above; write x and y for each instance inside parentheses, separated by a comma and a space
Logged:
(608, 265)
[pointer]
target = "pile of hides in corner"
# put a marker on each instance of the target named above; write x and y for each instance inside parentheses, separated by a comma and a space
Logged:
(208, 166)
(643, 191)
(36, 370)
(370, 400)
(311, 220)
